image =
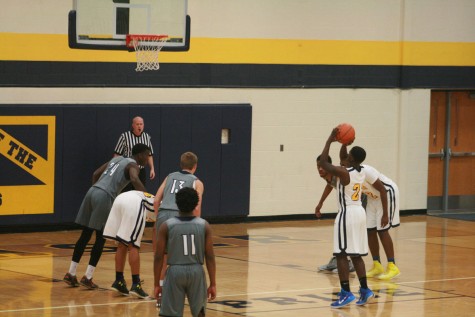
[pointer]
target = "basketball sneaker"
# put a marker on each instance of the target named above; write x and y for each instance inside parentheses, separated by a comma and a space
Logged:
(391, 272)
(121, 287)
(71, 280)
(376, 270)
(344, 298)
(365, 295)
(330, 266)
(88, 283)
(137, 290)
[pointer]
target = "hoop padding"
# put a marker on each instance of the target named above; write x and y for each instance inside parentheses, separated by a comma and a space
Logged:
(146, 49)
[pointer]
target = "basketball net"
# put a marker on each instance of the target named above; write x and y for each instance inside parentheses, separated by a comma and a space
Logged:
(146, 49)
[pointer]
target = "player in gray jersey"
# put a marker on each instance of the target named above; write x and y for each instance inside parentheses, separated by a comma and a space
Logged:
(108, 180)
(189, 242)
(165, 204)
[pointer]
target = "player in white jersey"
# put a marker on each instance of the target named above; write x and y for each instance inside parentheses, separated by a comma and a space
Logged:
(126, 224)
(374, 215)
(350, 238)
(331, 183)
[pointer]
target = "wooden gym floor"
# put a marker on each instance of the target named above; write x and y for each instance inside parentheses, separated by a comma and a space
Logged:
(264, 269)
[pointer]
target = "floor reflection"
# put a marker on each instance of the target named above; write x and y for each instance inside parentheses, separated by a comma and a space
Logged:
(264, 269)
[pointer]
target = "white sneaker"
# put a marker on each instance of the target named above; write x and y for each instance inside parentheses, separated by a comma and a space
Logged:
(331, 265)
(352, 268)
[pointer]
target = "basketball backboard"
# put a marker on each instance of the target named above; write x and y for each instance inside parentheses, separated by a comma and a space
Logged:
(104, 24)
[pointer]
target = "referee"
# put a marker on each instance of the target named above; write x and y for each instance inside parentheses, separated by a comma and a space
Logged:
(126, 142)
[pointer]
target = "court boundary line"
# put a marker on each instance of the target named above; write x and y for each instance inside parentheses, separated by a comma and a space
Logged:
(223, 296)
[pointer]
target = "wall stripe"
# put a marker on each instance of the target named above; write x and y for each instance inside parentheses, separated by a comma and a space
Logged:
(54, 47)
(81, 74)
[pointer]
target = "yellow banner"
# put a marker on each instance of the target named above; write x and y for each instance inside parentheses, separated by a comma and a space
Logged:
(27, 198)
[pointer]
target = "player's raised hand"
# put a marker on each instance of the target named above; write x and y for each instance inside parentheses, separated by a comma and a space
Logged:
(332, 137)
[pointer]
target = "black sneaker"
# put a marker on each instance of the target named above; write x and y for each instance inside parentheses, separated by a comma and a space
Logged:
(137, 290)
(71, 280)
(88, 283)
(121, 287)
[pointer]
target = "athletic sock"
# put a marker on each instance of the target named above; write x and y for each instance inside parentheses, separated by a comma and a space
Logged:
(90, 271)
(135, 279)
(377, 258)
(363, 282)
(73, 268)
(392, 260)
(119, 276)
(345, 285)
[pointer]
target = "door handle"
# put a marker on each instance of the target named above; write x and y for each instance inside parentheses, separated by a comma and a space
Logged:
(441, 154)
(461, 154)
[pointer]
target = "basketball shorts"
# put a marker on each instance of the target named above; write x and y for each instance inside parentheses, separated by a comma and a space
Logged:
(181, 281)
(94, 209)
(126, 222)
(374, 210)
(164, 215)
(349, 232)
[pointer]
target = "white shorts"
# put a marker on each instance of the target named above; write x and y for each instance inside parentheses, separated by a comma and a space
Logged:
(126, 222)
(349, 232)
(374, 210)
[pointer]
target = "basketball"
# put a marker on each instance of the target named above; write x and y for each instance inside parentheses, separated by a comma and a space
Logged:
(346, 133)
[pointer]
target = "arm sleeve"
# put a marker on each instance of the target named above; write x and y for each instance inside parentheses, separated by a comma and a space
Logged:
(150, 142)
(119, 148)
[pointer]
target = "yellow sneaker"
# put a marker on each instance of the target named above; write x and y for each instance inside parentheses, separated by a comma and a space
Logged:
(391, 272)
(376, 270)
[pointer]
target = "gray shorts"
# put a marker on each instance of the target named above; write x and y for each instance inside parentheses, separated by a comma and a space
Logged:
(181, 281)
(164, 215)
(95, 209)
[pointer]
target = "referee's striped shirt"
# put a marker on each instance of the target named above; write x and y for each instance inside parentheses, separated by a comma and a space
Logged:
(128, 139)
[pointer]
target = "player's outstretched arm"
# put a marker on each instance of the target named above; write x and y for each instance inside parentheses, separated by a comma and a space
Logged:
(158, 258)
(98, 172)
(200, 188)
(133, 171)
(210, 263)
(328, 189)
(152, 168)
(159, 196)
(343, 155)
(338, 171)
(379, 186)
